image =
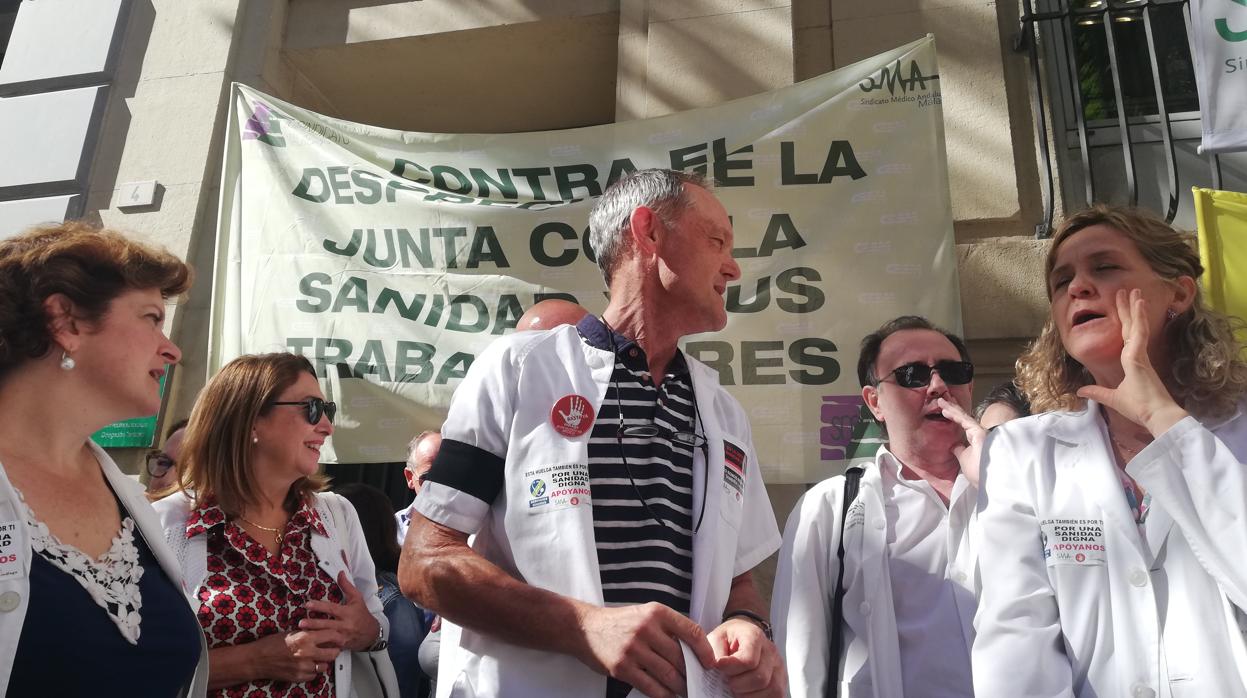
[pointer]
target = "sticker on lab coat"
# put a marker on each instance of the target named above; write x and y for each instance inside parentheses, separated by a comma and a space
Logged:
(557, 487)
(734, 463)
(10, 560)
(572, 416)
(1073, 541)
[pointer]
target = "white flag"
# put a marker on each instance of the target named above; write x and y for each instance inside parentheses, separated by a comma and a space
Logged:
(1219, 48)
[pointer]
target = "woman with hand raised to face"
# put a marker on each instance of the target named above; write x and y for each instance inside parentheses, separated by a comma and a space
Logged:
(90, 598)
(1114, 551)
(277, 570)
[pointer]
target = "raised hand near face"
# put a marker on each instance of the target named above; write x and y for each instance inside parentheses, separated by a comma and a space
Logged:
(969, 453)
(1141, 396)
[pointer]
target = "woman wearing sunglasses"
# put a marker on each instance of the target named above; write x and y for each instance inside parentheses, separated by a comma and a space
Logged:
(90, 598)
(277, 570)
(1113, 528)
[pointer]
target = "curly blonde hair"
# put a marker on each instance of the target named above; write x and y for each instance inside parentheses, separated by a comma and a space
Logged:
(1207, 376)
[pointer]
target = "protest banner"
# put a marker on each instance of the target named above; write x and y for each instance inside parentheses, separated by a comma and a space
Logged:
(391, 258)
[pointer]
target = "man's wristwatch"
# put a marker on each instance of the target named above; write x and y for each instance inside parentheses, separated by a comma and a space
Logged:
(381, 643)
(757, 619)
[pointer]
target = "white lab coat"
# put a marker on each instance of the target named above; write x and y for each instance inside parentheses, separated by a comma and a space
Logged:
(503, 406)
(806, 577)
(132, 496)
(1052, 624)
(344, 548)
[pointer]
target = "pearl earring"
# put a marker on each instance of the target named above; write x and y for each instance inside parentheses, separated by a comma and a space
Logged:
(67, 361)
(255, 439)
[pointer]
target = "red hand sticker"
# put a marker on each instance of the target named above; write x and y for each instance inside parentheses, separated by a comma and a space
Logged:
(572, 416)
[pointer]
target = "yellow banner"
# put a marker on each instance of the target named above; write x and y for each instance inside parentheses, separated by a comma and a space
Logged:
(1221, 218)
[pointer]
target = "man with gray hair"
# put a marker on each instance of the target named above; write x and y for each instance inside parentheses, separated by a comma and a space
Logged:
(420, 454)
(611, 484)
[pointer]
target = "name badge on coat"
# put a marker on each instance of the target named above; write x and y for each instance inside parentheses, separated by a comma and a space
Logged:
(556, 487)
(1073, 541)
(734, 464)
(10, 558)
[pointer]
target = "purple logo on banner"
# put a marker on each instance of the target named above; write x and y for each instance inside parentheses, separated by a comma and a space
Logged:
(839, 414)
(263, 127)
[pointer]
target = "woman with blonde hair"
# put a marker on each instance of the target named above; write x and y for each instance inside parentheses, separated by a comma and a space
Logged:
(1114, 527)
(90, 598)
(277, 570)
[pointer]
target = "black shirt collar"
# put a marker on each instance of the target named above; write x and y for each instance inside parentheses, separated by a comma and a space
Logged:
(596, 334)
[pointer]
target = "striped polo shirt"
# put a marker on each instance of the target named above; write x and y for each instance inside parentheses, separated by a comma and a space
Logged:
(642, 487)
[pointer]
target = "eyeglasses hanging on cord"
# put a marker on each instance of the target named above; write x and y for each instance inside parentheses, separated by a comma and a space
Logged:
(692, 439)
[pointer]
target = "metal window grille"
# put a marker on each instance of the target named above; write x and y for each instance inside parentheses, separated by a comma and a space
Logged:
(1125, 62)
(8, 14)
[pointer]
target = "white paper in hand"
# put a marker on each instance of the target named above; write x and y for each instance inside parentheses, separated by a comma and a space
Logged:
(703, 683)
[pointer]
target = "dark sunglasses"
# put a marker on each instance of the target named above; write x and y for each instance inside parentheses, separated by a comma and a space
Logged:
(918, 375)
(315, 408)
(158, 463)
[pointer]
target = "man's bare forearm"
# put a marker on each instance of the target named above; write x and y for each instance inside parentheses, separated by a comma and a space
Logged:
(744, 596)
(441, 573)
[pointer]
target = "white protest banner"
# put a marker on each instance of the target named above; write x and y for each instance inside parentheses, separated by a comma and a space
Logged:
(392, 258)
(1219, 48)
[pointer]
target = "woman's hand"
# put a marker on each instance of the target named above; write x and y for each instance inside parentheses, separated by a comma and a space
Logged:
(350, 621)
(293, 657)
(1141, 396)
(301, 655)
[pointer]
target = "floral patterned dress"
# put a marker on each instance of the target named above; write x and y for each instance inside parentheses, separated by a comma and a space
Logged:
(250, 593)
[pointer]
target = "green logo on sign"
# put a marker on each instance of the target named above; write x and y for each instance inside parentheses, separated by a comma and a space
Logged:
(893, 76)
(1223, 27)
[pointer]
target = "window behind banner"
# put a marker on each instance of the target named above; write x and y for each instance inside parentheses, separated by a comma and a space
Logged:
(1117, 79)
(1095, 80)
(8, 15)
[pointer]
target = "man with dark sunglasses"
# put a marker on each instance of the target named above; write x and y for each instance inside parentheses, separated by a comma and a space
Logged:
(611, 483)
(908, 592)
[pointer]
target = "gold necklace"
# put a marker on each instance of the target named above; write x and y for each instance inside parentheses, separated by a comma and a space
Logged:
(1131, 451)
(275, 531)
(1124, 447)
